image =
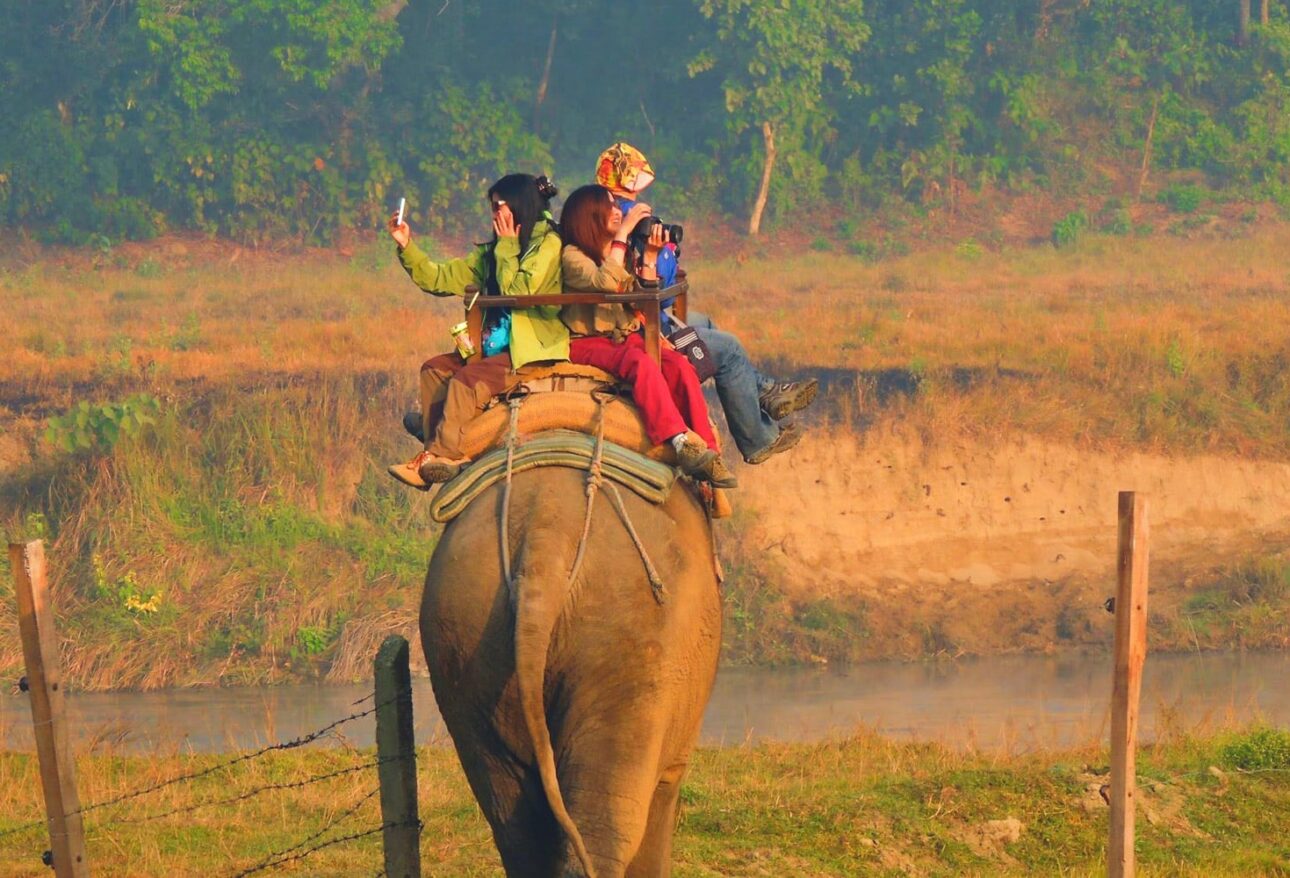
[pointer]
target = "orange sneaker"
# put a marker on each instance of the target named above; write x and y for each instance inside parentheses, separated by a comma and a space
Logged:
(410, 473)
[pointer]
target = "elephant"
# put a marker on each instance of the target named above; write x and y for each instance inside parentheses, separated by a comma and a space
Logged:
(574, 706)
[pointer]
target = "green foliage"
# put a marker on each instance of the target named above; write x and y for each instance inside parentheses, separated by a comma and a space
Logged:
(1175, 362)
(1264, 749)
(123, 595)
(98, 427)
(266, 119)
(1183, 198)
(1068, 230)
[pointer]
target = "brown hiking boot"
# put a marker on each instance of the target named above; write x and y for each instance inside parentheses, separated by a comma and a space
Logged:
(435, 469)
(788, 436)
(718, 475)
(786, 397)
(695, 456)
(410, 473)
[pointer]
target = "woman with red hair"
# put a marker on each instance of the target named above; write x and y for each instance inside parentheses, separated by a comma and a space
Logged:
(607, 336)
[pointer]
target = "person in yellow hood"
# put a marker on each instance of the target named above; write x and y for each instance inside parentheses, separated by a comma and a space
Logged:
(755, 404)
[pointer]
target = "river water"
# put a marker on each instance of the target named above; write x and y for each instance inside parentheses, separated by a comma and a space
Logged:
(1011, 704)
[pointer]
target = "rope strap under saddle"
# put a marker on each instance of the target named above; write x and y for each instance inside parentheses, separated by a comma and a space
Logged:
(595, 479)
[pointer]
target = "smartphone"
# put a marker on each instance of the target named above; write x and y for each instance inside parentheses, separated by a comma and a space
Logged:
(398, 217)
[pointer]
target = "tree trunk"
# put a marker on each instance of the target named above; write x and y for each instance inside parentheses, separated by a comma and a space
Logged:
(754, 222)
(1243, 32)
(1146, 147)
(1263, 13)
(546, 78)
(390, 11)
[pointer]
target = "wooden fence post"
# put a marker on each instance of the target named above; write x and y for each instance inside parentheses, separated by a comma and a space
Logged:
(1130, 652)
(45, 684)
(397, 757)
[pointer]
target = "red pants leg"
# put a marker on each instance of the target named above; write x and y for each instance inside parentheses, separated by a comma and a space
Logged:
(629, 362)
(683, 383)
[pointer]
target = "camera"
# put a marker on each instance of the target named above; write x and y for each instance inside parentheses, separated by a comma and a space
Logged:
(639, 237)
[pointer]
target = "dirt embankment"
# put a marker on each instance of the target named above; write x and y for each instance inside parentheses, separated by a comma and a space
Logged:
(995, 544)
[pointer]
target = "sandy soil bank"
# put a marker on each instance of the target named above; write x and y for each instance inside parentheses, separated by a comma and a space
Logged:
(984, 545)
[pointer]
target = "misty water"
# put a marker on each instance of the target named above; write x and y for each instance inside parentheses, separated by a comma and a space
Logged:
(1008, 704)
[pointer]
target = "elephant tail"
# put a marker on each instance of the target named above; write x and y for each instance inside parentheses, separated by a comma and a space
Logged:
(539, 598)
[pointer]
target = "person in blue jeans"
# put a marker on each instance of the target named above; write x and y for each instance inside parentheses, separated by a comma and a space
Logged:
(755, 404)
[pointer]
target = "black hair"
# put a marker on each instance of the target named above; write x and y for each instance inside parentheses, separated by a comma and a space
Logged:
(529, 199)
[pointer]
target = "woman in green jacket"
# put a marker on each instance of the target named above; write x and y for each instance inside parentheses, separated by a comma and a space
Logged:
(523, 259)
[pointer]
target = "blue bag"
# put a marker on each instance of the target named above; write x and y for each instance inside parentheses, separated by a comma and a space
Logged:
(498, 337)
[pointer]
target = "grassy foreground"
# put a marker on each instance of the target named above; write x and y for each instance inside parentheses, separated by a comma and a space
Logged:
(1209, 806)
(250, 535)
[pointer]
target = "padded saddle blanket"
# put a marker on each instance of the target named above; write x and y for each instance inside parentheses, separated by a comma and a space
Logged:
(560, 401)
(650, 479)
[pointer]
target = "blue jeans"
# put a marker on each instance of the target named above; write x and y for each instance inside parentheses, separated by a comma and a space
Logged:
(739, 387)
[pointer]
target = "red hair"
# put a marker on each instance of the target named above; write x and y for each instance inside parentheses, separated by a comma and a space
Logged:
(584, 222)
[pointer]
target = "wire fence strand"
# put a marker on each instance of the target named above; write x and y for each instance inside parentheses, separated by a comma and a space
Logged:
(250, 794)
(298, 851)
(292, 744)
(228, 763)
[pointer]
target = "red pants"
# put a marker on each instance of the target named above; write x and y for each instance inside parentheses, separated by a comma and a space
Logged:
(669, 398)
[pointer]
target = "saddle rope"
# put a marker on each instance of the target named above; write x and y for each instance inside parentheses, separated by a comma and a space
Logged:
(595, 479)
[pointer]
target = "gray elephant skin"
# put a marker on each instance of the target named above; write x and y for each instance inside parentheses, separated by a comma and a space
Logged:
(574, 706)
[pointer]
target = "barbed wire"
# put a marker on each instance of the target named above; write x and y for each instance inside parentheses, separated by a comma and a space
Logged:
(228, 763)
(293, 853)
(292, 744)
(252, 793)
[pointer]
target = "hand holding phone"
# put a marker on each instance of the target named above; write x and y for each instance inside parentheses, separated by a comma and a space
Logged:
(398, 226)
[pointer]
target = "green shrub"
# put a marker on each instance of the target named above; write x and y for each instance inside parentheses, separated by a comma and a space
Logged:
(822, 245)
(1116, 222)
(968, 248)
(1183, 197)
(99, 426)
(1068, 229)
(866, 250)
(1260, 750)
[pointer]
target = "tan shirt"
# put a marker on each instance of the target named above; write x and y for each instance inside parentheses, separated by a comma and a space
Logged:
(582, 275)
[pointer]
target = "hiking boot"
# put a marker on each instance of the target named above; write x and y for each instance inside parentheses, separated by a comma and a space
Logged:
(412, 423)
(788, 436)
(410, 473)
(435, 469)
(718, 475)
(694, 456)
(785, 397)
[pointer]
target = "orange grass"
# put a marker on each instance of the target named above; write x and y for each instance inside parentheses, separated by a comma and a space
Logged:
(1153, 342)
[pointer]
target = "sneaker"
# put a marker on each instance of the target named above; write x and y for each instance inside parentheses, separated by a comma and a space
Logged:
(788, 436)
(785, 397)
(695, 456)
(410, 473)
(434, 469)
(412, 423)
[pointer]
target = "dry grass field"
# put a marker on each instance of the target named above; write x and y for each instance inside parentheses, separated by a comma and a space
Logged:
(251, 535)
(1210, 805)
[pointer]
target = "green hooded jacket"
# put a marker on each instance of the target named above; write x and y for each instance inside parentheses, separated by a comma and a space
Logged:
(536, 333)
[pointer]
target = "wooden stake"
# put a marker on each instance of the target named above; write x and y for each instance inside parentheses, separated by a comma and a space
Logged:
(1130, 652)
(397, 757)
(45, 681)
